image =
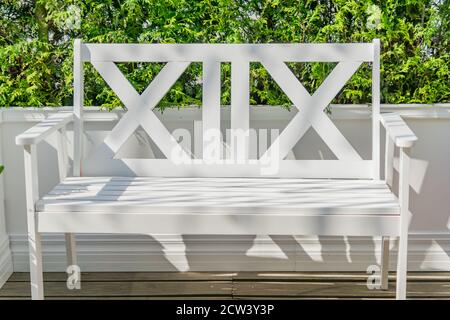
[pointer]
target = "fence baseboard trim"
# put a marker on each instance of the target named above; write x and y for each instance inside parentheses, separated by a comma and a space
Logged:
(427, 252)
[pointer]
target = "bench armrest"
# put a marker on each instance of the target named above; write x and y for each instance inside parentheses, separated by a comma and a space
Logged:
(398, 130)
(43, 129)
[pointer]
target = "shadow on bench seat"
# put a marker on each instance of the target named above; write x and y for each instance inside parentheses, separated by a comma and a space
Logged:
(219, 205)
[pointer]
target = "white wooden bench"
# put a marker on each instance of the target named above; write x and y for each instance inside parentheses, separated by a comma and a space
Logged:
(207, 195)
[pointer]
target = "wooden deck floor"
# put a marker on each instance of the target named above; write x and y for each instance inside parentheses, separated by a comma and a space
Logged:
(221, 285)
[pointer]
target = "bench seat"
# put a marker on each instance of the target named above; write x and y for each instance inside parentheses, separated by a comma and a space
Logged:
(219, 206)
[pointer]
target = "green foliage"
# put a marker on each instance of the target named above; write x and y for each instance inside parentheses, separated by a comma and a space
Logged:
(36, 38)
(1, 168)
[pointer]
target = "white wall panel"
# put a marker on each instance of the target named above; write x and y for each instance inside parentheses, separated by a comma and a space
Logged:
(429, 201)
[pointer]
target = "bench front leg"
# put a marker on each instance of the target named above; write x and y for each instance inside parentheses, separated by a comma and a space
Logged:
(34, 238)
(403, 193)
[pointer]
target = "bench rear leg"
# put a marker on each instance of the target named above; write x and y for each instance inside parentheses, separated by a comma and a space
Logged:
(384, 263)
(71, 250)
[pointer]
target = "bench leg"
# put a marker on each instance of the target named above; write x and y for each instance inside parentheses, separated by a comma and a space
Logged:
(34, 237)
(384, 263)
(71, 250)
(402, 262)
(36, 276)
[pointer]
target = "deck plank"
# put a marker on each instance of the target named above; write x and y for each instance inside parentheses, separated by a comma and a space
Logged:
(335, 289)
(130, 276)
(123, 289)
(335, 276)
(228, 276)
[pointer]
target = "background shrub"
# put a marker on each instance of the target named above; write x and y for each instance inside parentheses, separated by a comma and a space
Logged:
(36, 38)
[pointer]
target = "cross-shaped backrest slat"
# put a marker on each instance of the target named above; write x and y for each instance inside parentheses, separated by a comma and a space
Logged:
(272, 56)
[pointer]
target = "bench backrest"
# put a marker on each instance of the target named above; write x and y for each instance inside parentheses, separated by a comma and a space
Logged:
(180, 162)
